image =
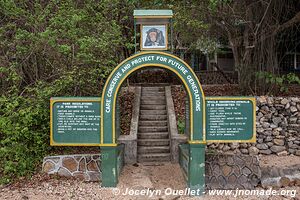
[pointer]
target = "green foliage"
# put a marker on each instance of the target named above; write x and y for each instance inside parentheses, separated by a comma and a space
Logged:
(52, 48)
(278, 81)
(291, 78)
(24, 128)
(189, 23)
(214, 3)
(206, 45)
(181, 126)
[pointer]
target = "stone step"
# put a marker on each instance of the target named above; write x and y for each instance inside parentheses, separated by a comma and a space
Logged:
(153, 102)
(162, 88)
(146, 97)
(154, 157)
(153, 107)
(153, 88)
(153, 142)
(153, 117)
(155, 149)
(161, 92)
(153, 123)
(153, 112)
(159, 163)
(153, 93)
(153, 135)
(147, 129)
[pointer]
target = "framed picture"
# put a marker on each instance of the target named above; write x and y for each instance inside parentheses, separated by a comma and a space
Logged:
(154, 37)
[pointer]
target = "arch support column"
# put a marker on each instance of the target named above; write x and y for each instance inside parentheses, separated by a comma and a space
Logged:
(196, 176)
(109, 166)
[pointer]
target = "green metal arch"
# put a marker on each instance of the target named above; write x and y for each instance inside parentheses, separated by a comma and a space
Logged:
(150, 59)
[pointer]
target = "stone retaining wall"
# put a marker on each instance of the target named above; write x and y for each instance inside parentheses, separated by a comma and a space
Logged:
(83, 166)
(130, 141)
(276, 177)
(232, 172)
(277, 126)
(221, 171)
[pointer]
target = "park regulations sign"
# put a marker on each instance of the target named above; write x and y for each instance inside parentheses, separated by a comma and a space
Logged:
(230, 119)
(75, 121)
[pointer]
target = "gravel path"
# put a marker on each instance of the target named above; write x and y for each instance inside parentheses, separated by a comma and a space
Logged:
(138, 178)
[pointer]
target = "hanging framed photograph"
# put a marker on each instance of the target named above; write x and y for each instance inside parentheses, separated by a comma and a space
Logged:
(154, 37)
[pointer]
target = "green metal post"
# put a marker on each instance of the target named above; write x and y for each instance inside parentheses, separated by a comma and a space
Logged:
(109, 166)
(118, 120)
(187, 117)
(196, 176)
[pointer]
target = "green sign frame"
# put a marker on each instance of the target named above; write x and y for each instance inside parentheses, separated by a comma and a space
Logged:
(75, 121)
(153, 59)
(235, 117)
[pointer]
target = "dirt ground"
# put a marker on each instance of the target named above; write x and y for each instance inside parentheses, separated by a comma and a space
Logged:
(156, 181)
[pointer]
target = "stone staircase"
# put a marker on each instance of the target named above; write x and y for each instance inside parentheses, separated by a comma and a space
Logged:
(153, 135)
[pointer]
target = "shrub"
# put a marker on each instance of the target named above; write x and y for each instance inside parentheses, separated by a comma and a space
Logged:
(181, 125)
(51, 48)
(277, 83)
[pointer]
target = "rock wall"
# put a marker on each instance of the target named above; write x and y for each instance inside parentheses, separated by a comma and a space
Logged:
(82, 166)
(277, 177)
(232, 172)
(277, 127)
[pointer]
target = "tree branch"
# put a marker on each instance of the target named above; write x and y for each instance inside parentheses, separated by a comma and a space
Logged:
(287, 24)
(262, 19)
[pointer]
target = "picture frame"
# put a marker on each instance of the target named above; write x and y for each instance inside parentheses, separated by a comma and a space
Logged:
(154, 37)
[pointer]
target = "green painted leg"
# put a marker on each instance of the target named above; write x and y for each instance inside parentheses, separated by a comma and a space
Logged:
(196, 176)
(109, 166)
